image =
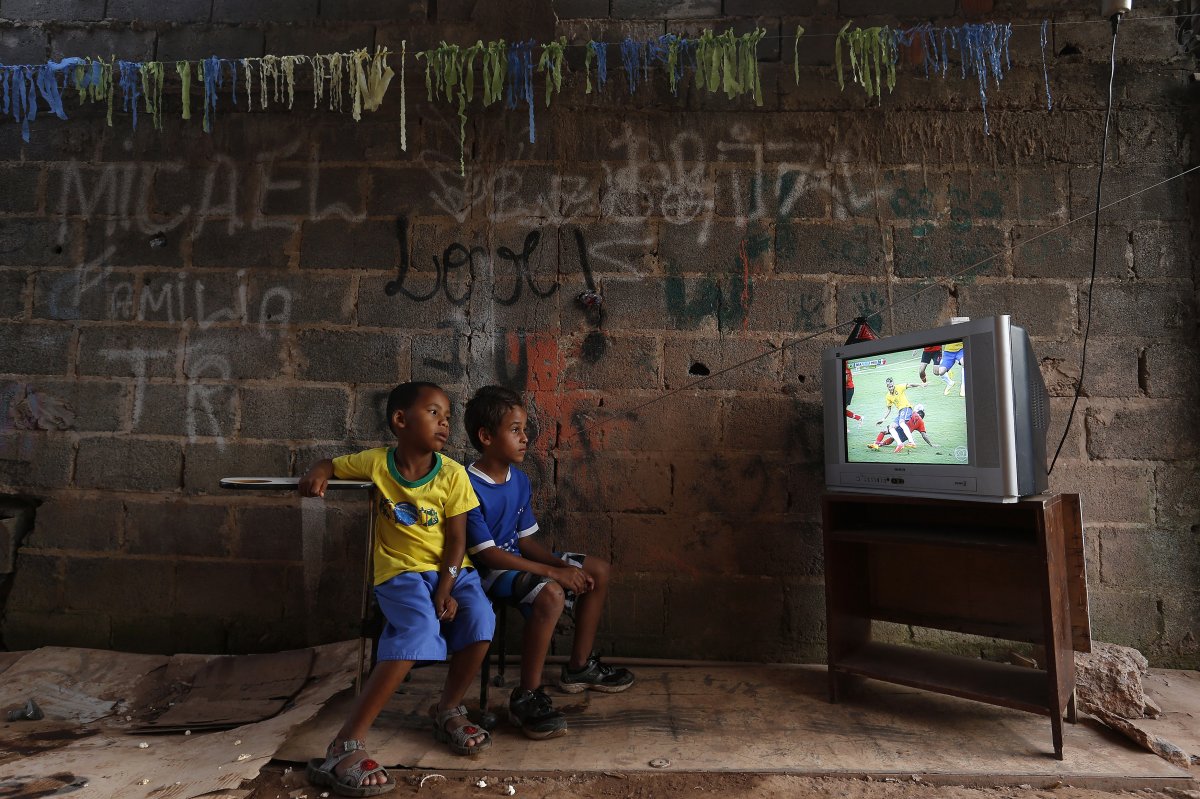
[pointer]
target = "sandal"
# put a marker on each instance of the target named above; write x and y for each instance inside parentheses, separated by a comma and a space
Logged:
(321, 772)
(459, 736)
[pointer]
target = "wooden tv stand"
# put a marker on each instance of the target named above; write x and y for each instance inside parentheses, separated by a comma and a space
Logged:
(1013, 571)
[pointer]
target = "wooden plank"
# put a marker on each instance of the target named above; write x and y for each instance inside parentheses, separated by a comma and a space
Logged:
(1071, 519)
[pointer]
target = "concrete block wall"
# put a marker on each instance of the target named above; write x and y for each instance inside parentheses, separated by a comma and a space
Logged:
(184, 306)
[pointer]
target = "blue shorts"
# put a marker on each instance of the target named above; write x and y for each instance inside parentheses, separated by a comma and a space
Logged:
(904, 415)
(949, 359)
(412, 630)
(518, 589)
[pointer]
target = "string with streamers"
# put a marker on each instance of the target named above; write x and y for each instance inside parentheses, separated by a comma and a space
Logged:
(983, 50)
(450, 72)
(403, 99)
(184, 70)
(21, 85)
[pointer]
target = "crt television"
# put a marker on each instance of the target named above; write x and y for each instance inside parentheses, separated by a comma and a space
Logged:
(973, 428)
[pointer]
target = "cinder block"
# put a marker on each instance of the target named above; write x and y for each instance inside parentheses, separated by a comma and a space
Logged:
(747, 484)
(324, 38)
(294, 413)
(128, 351)
(177, 529)
(205, 464)
(788, 306)
(412, 304)
(350, 357)
(790, 425)
(1174, 494)
(681, 423)
(1130, 616)
(440, 359)
(33, 242)
(627, 362)
(72, 522)
(824, 248)
(23, 45)
(230, 589)
(128, 464)
(927, 251)
(1134, 431)
(1133, 503)
(12, 294)
(21, 183)
(337, 244)
(1142, 310)
(153, 11)
(247, 248)
(234, 352)
(1148, 559)
(1161, 251)
(27, 631)
(688, 360)
(120, 585)
(804, 606)
(1067, 255)
(124, 43)
(1033, 307)
(198, 409)
(53, 10)
(414, 10)
(694, 546)
(1181, 630)
(584, 487)
(37, 585)
(114, 245)
(1166, 202)
(918, 9)
(290, 298)
(736, 618)
(27, 349)
(370, 425)
(276, 10)
(35, 460)
(166, 635)
(83, 294)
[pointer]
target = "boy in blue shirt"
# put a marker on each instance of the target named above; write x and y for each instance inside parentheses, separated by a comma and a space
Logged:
(523, 573)
(432, 602)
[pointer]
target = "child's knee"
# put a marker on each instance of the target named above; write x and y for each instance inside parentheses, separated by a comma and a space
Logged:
(550, 601)
(598, 569)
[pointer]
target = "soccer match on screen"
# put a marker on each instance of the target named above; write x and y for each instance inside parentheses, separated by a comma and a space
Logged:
(908, 406)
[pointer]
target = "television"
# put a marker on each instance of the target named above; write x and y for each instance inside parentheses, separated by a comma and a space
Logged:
(974, 428)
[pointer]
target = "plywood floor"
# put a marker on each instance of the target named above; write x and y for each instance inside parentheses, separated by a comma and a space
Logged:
(762, 719)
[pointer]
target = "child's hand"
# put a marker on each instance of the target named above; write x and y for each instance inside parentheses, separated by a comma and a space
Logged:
(446, 607)
(313, 485)
(573, 579)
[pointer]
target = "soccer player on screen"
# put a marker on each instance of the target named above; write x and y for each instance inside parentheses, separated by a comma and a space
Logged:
(849, 395)
(894, 436)
(952, 354)
(928, 356)
(897, 397)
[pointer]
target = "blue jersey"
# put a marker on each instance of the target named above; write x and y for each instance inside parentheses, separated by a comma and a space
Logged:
(504, 514)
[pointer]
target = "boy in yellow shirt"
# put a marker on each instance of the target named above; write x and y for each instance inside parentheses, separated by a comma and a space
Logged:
(432, 603)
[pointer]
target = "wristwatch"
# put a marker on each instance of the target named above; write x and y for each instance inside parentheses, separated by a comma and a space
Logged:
(452, 571)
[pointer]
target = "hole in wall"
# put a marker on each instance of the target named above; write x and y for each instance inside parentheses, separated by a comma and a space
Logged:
(1070, 49)
(699, 370)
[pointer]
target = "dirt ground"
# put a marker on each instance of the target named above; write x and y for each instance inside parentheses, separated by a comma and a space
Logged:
(277, 781)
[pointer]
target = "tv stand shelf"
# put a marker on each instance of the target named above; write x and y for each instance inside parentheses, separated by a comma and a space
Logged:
(1012, 571)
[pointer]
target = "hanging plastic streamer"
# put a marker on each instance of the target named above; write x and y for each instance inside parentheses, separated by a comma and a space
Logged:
(210, 76)
(130, 83)
(597, 51)
(631, 60)
(152, 89)
(925, 36)
(1045, 40)
(233, 81)
(796, 52)
(22, 84)
(551, 63)
(289, 64)
(678, 49)
(450, 73)
(519, 80)
(873, 56)
(982, 48)
(403, 98)
(495, 60)
(184, 69)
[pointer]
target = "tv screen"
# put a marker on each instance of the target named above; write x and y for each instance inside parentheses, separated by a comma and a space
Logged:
(908, 411)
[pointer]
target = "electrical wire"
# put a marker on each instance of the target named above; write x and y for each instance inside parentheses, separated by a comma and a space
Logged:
(1087, 327)
(885, 308)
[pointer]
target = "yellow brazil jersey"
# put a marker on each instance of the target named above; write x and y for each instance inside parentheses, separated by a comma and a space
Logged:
(900, 398)
(953, 346)
(409, 530)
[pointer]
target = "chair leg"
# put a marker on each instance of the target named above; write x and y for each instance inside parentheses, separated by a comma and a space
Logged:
(502, 640)
(487, 719)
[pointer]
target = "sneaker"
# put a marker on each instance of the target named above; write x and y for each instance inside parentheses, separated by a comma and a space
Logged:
(534, 713)
(962, 390)
(949, 386)
(596, 676)
(872, 446)
(898, 450)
